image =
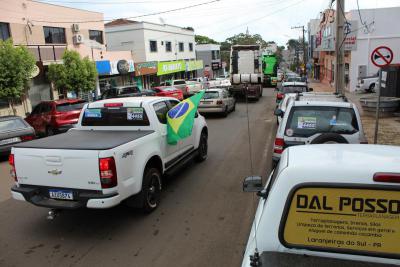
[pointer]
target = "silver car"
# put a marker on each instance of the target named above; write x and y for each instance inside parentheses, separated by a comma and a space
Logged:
(217, 100)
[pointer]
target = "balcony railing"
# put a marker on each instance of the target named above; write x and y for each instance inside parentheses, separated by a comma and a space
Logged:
(47, 53)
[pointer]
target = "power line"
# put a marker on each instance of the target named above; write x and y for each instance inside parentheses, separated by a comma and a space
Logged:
(108, 3)
(134, 17)
(364, 23)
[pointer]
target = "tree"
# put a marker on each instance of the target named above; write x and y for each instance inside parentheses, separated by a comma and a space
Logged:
(201, 39)
(16, 67)
(292, 44)
(246, 39)
(76, 74)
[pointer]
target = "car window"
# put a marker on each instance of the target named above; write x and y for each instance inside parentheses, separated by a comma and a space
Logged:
(115, 116)
(161, 110)
(167, 84)
(12, 124)
(172, 103)
(64, 107)
(129, 90)
(37, 110)
(179, 82)
(211, 95)
(46, 108)
(224, 94)
(294, 89)
(307, 121)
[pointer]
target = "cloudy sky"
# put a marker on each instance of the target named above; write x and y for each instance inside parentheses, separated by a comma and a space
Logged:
(272, 19)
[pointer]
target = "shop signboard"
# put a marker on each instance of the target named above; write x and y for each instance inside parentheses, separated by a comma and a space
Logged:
(171, 67)
(194, 65)
(215, 65)
(145, 68)
(103, 67)
(121, 67)
(327, 38)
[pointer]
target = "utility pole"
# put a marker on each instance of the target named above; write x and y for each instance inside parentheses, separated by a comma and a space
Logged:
(304, 44)
(339, 47)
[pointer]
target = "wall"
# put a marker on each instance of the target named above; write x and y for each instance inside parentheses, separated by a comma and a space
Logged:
(383, 32)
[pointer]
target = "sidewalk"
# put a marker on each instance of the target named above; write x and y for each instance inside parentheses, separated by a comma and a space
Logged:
(389, 127)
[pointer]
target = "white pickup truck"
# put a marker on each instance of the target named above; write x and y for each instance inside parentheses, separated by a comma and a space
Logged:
(118, 152)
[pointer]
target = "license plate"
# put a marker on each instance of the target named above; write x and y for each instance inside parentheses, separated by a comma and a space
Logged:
(61, 194)
(206, 102)
(10, 141)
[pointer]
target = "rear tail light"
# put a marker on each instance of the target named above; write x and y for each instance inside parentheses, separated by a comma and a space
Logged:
(279, 145)
(219, 102)
(280, 96)
(113, 105)
(108, 172)
(27, 137)
(187, 89)
(387, 177)
(11, 161)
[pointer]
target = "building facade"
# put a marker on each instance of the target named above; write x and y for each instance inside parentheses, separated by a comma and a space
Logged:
(211, 56)
(163, 51)
(47, 30)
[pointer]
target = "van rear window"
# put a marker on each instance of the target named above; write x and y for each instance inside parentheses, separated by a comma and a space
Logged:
(307, 121)
(115, 116)
(343, 219)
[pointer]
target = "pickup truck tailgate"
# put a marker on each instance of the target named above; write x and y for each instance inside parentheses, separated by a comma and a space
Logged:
(78, 169)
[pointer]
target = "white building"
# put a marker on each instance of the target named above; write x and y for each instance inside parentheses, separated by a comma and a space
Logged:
(382, 29)
(211, 56)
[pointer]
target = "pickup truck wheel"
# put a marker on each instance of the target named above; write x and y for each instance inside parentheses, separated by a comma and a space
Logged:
(49, 131)
(371, 88)
(203, 148)
(151, 190)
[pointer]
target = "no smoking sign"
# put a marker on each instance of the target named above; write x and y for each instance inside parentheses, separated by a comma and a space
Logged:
(382, 56)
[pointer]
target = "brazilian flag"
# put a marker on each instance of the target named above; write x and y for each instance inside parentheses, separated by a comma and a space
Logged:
(181, 117)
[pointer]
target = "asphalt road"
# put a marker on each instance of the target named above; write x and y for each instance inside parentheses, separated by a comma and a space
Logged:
(204, 218)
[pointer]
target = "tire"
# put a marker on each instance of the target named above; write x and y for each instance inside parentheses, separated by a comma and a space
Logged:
(371, 88)
(330, 138)
(203, 147)
(234, 106)
(151, 190)
(226, 112)
(49, 131)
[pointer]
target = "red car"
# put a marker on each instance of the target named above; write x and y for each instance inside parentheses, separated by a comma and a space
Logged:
(168, 91)
(51, 117)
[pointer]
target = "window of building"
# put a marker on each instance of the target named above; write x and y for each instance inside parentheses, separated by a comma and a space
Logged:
(168, 46)
(54, 35)
(215, 54)
(4, 31)
(191, 47)
(96, 36)
(181, 47)
(153, 46)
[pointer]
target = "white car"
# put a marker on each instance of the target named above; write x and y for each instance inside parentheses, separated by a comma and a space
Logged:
(217, 100)
(368, 84)
(118, 152)
(283, 104)
(318, 119)
(328, 205)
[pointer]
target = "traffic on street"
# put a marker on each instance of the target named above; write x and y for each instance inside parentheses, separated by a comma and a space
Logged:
(131, 135)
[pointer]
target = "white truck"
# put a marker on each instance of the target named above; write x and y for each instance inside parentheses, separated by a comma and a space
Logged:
(118, 152)
(246, 71)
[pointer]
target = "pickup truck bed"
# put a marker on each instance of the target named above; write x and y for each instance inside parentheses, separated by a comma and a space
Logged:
(85, 140)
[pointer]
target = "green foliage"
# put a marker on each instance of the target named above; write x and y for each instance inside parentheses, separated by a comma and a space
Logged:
(200, 39)
(16, 67)
(76, 74)
(292, 44)
(246, 39)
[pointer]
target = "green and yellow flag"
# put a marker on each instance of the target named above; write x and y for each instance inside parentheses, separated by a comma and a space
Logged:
(181, 117)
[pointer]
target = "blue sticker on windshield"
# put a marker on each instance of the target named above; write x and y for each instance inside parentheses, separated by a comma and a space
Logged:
(333, 122)
(92, 113)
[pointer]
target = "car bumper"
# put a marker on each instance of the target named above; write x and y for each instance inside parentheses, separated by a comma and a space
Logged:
(82, 198)
(211, 109)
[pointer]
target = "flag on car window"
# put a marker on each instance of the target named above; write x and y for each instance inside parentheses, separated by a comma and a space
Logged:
(181, 117)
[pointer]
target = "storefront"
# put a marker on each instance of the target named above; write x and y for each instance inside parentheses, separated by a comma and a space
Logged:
(115, 73)
(170, 70)
(192, 66)
(146, 72)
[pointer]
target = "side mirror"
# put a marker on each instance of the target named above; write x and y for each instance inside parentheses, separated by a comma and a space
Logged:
(252, 184)
(310, 89)
(279, 112)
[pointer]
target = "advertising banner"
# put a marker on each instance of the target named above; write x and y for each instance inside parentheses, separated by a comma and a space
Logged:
(194, 65)
(171, 67)
(145, 68)
(353, 220)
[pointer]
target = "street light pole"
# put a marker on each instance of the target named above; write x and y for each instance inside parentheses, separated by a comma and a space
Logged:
(339, 47)
(304, 43)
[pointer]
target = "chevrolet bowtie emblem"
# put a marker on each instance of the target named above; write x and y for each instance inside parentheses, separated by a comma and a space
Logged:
(54, 172)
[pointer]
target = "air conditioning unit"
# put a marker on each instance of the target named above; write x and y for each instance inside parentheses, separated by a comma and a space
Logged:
(78, 38)
(75, 27)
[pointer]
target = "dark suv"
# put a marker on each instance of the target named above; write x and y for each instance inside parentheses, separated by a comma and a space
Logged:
(51, 117)
(125, 91)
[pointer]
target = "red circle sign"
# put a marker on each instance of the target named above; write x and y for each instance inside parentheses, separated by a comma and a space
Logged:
(382, 56)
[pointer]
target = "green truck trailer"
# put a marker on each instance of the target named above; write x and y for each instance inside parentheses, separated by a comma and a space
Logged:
(270, 68)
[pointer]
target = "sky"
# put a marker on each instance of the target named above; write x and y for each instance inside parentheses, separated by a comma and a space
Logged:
(272, 19)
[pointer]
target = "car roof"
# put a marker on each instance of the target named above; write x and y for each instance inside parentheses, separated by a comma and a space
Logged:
(133, 100)
(323, 103)
(63, 101)
(218, 89)
(343, 160)
(294, 84)
(5, 118)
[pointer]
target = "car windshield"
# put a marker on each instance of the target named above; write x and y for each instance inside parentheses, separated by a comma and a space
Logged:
(294, 79)
(294, 89)
(211, 95)
(307, 121)
(129, 90)
(10, 125)
(179, 82)
(121, 116)
(64, 107)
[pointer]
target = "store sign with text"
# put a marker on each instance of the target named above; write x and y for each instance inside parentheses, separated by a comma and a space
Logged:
(145, 68)
(171, 67)
(326, 39)
(194, 65)
(344, 220)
